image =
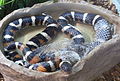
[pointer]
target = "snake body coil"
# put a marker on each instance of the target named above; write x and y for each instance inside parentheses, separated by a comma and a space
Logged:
(38, 40)
(53, 61)
(101, 26)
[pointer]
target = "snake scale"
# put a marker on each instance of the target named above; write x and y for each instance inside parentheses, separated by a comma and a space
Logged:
(53, 61)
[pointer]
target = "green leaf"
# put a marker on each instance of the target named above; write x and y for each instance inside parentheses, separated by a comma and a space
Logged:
(7, 6)
(2, 2)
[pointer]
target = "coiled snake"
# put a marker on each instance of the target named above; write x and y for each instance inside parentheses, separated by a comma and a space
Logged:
(53, 61)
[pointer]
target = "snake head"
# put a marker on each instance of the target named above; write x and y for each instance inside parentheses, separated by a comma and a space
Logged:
(65, 66)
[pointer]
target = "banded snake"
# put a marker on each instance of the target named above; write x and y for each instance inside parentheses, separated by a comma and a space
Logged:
(54, 61)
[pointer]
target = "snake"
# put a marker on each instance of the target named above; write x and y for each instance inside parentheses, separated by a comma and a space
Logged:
(38, 40)
(10, 45)
(103, 28)
(52, 62)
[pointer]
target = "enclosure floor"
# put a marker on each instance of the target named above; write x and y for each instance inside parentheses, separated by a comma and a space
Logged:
(112, 75)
